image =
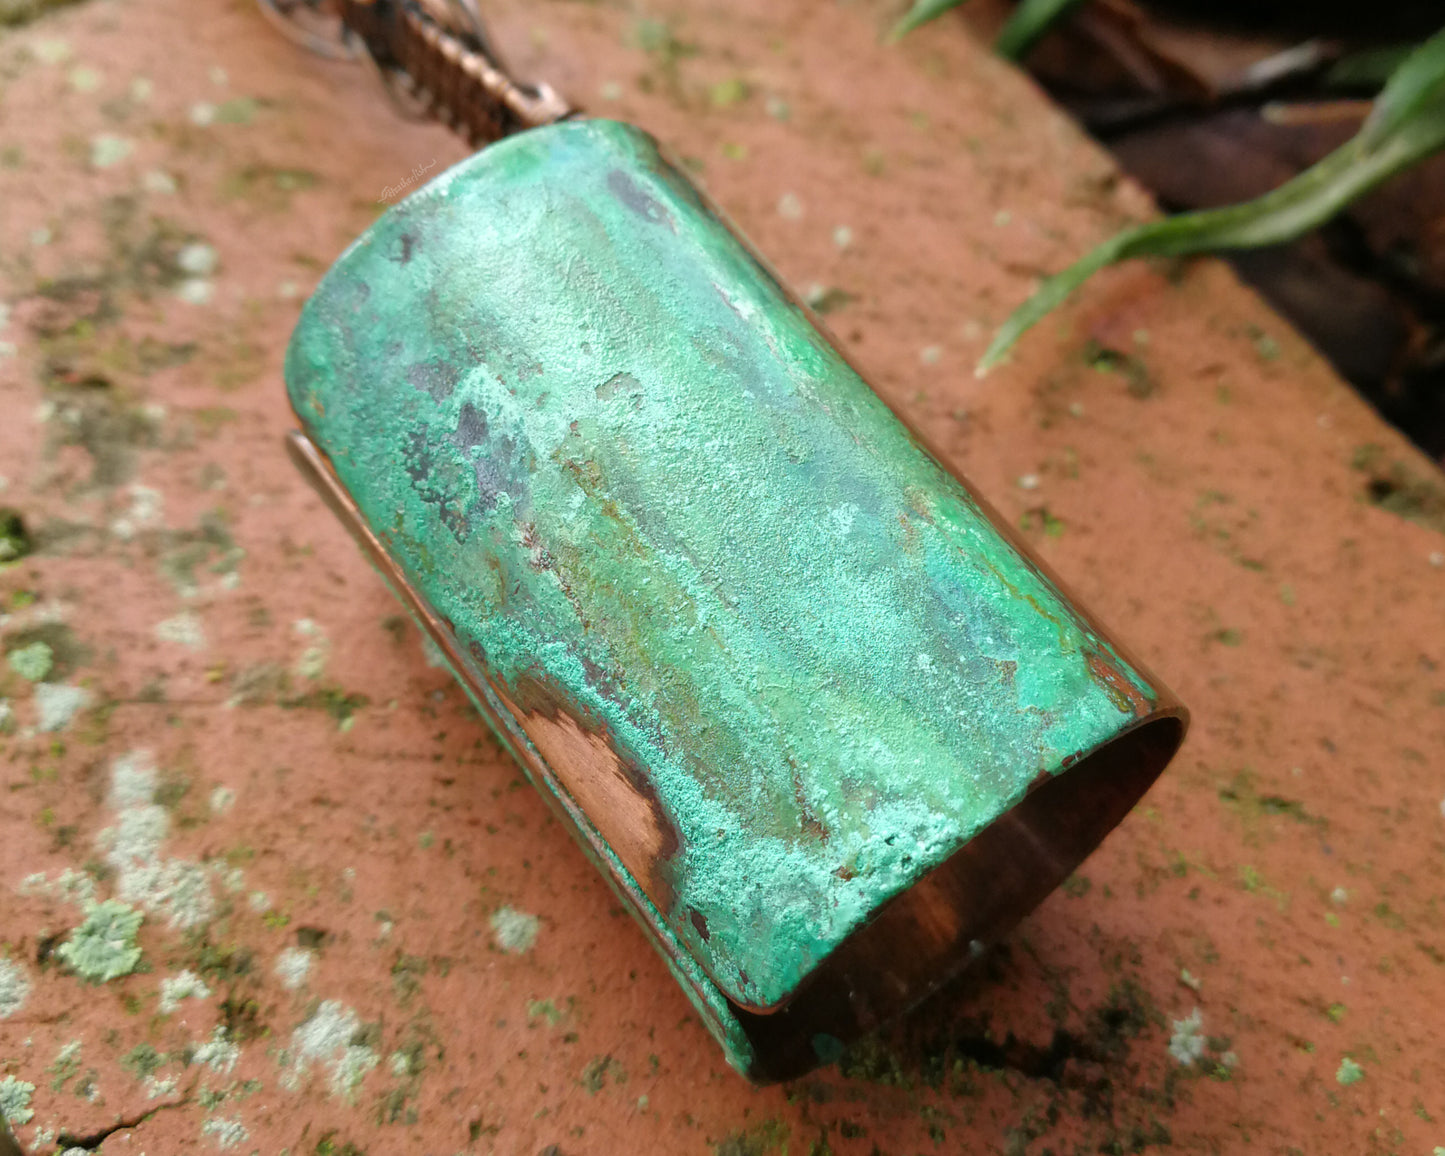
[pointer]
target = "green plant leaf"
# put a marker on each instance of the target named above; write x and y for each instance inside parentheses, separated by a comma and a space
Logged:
(1369, 68)
(1031, 19)
(1417, 86)
(921, 13)
(1406, 125)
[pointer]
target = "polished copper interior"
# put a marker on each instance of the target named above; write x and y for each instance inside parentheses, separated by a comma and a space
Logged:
(928, 934)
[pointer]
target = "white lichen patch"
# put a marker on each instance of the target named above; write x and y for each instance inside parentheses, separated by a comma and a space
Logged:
(57, 704)
(83, 78)
(70, 885)
(351, 1069)
(15, 1101)
(332, 1037)
(292, 967)
(51, 50)
(196, 291)
(32, 662)
(197, 259)
(184, 629)
(177, 888)
(108, 149)
(159, 181)
(104, 947)
(218, 1053)
(145, 511)
(137, 836)
(233, 879)
(432, 653)
(328, 1031)
(227, 1133)
(133, 779)
(181, 986)
(156, 1087)
(312, 663)
(66, 1063)
(514, 931)
(14, 988)
(221, 800)
(1188, 1042)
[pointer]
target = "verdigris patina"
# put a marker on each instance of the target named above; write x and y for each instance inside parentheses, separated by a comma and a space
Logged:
(775, 661)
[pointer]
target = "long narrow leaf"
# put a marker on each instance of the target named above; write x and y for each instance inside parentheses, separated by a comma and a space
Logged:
(921, 13)
(1031, 19)
(1417, 83)
(1370, 68)
(1408, 124)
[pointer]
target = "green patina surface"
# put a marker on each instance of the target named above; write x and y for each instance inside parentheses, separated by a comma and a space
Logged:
(649, 494)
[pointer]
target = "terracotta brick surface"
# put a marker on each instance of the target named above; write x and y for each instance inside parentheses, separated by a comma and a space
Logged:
(361, 931)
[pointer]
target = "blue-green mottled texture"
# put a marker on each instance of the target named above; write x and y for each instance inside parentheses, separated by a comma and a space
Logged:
(608, 447)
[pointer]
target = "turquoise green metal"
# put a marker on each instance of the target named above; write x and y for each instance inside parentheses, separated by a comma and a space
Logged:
(771, 657)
